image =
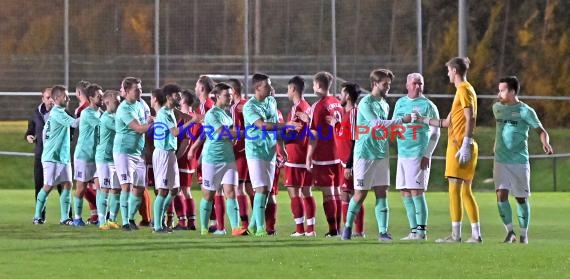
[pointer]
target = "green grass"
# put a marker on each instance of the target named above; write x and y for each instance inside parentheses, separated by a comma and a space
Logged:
(51, 250)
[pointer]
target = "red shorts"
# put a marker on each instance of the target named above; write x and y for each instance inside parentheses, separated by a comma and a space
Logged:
(346, 185)
(241, 163)
(326, 176)
(275, 188)
(149, 176)
(297, 177)
(185, 178)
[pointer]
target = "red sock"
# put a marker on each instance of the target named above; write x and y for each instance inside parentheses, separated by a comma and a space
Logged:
(298, 214)
(145, 208)
(242, 205)
(220, 209)
(329, 205)
(310, 210)
(338, 212)
(91, 197)
(180, 208)
(344, 206)
(270, 217)
(359, 221)
(190, 211)
(213, 214)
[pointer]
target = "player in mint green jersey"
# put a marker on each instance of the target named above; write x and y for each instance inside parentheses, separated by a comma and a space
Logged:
(511, 170)
(371, 169)
(84, 157)
(415, 147)
(130, 127)
(106, 180)
(55, 156)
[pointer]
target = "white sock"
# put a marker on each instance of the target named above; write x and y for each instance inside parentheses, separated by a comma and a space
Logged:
(456, 229)
(475, 230)
(509, 227)
(524, 232)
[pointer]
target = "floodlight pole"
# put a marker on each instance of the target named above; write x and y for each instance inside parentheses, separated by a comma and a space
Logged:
(157, 43)
(463, 20)
(419, 35)
(66, 43)
(333, 46)
(246, 47)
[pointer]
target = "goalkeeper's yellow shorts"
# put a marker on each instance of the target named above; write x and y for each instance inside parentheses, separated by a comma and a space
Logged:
(452, 167)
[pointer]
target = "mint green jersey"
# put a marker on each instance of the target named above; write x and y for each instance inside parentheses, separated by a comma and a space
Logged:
(372, 145)
(217, 150)
(511, 138)
(414, 140)
(259, 144)
(127, 140)
(104, 153)
(88, 135)
(56, 141)
(165, 140)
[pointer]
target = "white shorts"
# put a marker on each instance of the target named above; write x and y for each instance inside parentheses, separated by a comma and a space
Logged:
(83, 171)
(409, 175)
(107, 176)
(369, 173)
(165, 168)
(216, 175)
(261, 173)
(130, 169)
(512, 177)
(56, 173)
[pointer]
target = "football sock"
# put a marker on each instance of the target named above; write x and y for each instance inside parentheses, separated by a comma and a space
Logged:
(158, 208)
(134, 204)
(382, 216)
(190, 210)
(455, 206)
(124, 203)
(40, 203)
(310, 210)
(471, 206)
(113, 206)
(64, 203)
(205, 212)
(101, 200)
(359, 221)
(523, 212)
(410, 212)
(338, 212)
(232, 212)
(220, 208)
(270, 216)
(353, 209)
(329, 206)
(78, 207)
(298, 214)
(420, 204)
(243, 205)
(259, 203)
(344, 209)
(506, 214)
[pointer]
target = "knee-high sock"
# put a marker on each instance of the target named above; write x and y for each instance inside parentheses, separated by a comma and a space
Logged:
(113, 206)
(353, 210)
(180, 207)
(220, 209)
(64, 203)
(158, 208)
(310, 211)
(167, 204)
(259, 205)
(298, 214)
(455, 208)
(382, 214)
(471, 206)
(40, 203)
(243, 205)
(506, 214)
(523, 212)
(329, 206)
(205, 212)
(359, 221)
(410, 212)
(124, 203)
(101, 206)
(77, 206)
(232, 212)
(190, 210)
(145, 207)
(420, 204)
(338, 211)
(91, 197)
(134, 204)
(270, 216)
(344, 209)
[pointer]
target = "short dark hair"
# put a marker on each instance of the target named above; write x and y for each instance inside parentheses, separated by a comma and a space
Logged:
(298, 83)
(324, 79)
(353, 90)
(218, 88)
(170, 89)
(460, 64)
(379, 74)
(207, 82)
(91, 89)
(512, 83)
(258, 77)
(82, 86)
(57, 90)
(159, 96)
(236, 84)
(189, 98)
(128, 82)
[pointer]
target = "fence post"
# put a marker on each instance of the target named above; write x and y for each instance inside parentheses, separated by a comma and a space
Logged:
(554, 173)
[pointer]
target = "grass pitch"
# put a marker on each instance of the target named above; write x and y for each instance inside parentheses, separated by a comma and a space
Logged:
(54, 251)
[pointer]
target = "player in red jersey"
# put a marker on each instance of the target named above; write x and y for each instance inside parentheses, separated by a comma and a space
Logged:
(322, 157)
(280, 156)
(345, 139)
(90, 194)
(298, 179)
(244, 189)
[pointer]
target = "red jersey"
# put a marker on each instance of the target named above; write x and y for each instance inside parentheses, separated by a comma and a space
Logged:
(205, 106)
(183, 162)
(346, 131)
(325, 153)
(297, 148)
(80, 109)
(278, 154)
(202, 109)
(237, 115)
